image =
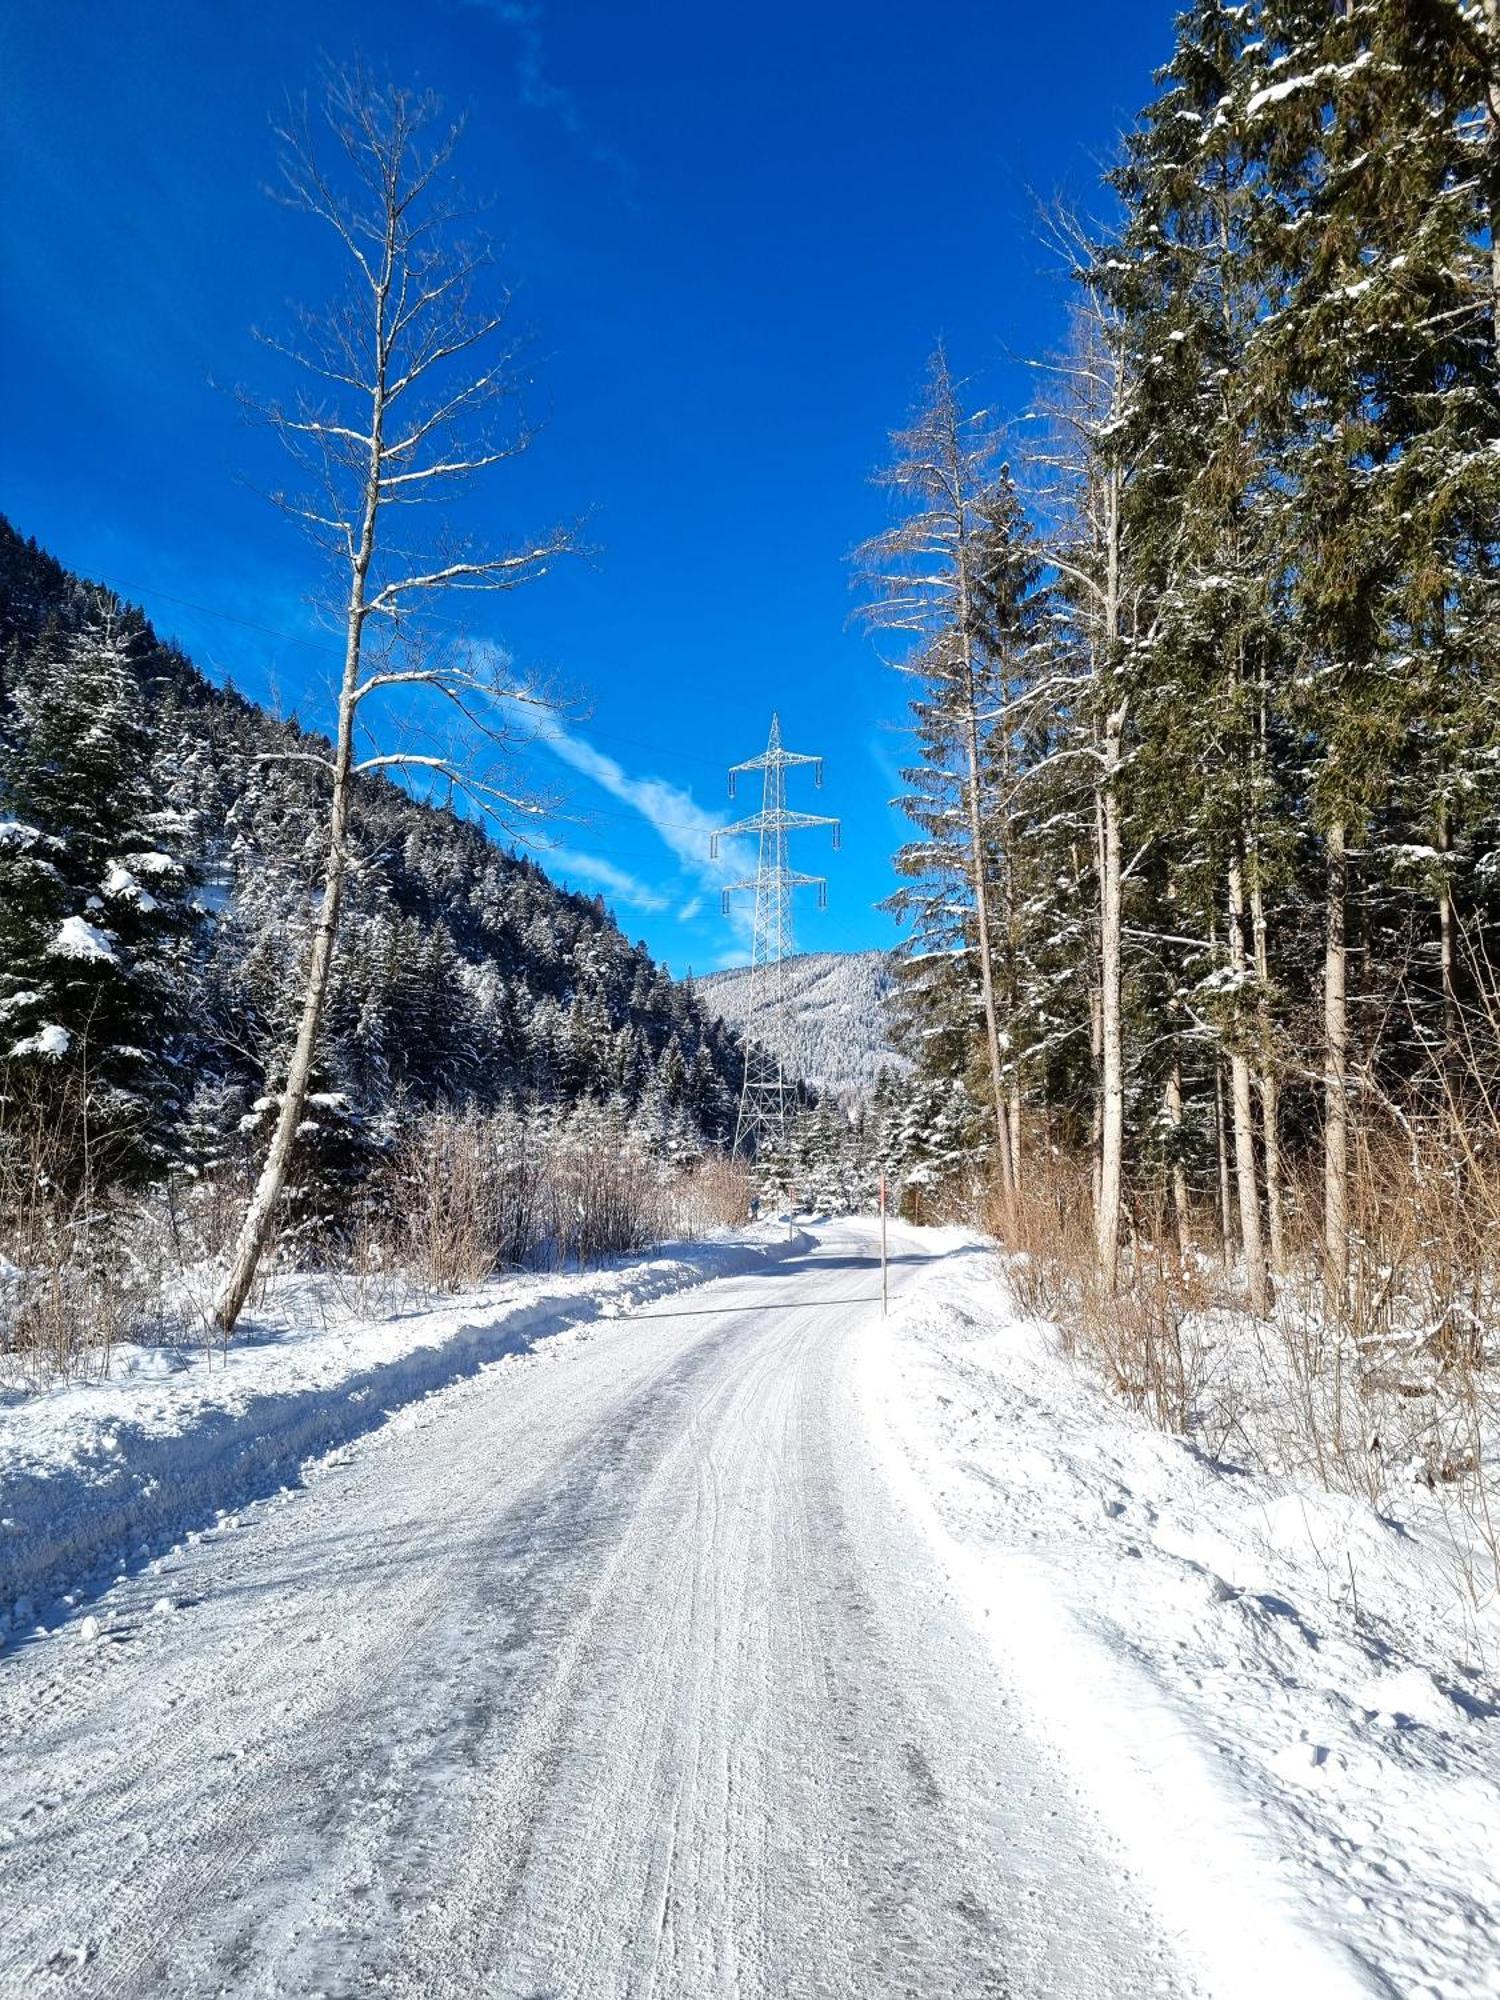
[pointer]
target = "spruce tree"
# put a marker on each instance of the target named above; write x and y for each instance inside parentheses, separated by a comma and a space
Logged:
(93, 912)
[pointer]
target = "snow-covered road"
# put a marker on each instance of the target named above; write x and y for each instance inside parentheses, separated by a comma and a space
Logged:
(620, 1671)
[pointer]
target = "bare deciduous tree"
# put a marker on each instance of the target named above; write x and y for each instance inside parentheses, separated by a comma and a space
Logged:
(923, 573)
(412, 381)
(1085, 409)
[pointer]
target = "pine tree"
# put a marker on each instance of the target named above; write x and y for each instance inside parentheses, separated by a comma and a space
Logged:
(1186, 284)
(925, 575)
(971, 878)
(1377, 393)
(93, 914)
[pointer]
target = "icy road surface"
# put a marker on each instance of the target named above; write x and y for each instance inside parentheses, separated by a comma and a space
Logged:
(618, 1671)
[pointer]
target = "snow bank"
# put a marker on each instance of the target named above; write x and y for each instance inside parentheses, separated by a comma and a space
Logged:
(1276, 1698)
(95, 1476)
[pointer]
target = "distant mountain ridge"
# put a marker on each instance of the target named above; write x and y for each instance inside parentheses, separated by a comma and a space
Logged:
(839, 1039)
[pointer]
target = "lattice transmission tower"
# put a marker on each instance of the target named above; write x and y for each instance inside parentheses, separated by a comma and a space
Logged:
(768, 1095)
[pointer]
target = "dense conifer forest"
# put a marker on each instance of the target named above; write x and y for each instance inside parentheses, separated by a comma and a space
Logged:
(1202, 894)
(157, 882)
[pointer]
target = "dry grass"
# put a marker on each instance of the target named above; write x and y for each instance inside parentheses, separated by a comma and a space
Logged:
(1142, 1336)
(80, 1269)
(1400, 1388)
(472, 1195)
(465, 1196)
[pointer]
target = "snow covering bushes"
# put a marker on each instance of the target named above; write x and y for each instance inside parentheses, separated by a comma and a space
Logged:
(97, 1475)
(79, 1269)
(1268, 1691)
(479, 1194)
(456, 1199)
(1402, 1390)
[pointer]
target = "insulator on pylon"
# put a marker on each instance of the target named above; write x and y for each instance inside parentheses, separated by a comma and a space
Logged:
(713, 847)
(838, 835)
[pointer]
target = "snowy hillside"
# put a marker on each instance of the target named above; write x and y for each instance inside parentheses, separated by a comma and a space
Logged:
(838, 1001)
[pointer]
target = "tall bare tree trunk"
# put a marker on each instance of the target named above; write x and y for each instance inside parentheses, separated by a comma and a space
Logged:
(1096, 1113)
(1111, 901)
(1013, 1109)
(1172, 1102)
(1226, 1202)
(1270, 1088)
(1336, 1081)
(986, 952)
(1491, 168)
(1111, 1039)
(978, 872)
(260, 1216)
(383, 356)
(1251, 1245)
(1445, 940)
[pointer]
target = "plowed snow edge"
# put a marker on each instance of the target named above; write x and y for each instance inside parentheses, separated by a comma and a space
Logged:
(1144, 1764)
(97, 1477)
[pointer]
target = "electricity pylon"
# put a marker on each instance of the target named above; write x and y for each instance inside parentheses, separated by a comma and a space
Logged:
(768, 1094)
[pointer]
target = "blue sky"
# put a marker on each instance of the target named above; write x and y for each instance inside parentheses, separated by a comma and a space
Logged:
(737, 233)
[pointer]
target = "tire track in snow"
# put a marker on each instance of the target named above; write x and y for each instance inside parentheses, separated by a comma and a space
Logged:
(642, 1686)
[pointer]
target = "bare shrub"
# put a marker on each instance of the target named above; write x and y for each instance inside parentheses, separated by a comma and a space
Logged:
(715, 1194)
(1048, 1232)
(1148, 1336)
(80, 1269)
(474, 1194)
(1400, 1388)
(1153, 1337)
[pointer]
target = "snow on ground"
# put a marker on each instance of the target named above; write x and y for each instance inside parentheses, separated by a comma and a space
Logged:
(619, 1670)
(1274, 1696)
(96, 1476)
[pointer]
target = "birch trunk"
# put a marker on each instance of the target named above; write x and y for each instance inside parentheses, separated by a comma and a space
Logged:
(1445, 941)
(986, 954)
(1111, 1046)
(1251, 1245)
(1336, 1081)
(1172, 1100)
(1270, 1088)
(978, 873)
(1096, 1115)
(1111, 895)
(1491, 167)
(260, 1216)
(1226, 1205)
(405, 313)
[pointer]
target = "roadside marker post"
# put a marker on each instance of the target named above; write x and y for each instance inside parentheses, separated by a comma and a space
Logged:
(885, 1297)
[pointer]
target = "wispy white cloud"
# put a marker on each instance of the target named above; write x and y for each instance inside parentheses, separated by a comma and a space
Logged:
(679, 822)
(602, 874)
(883, 757)
(691, 908)
(671, 812)
(539, 92)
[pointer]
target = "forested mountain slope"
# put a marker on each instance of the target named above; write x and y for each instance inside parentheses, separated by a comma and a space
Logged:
(839, 1038)
(148, 820)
